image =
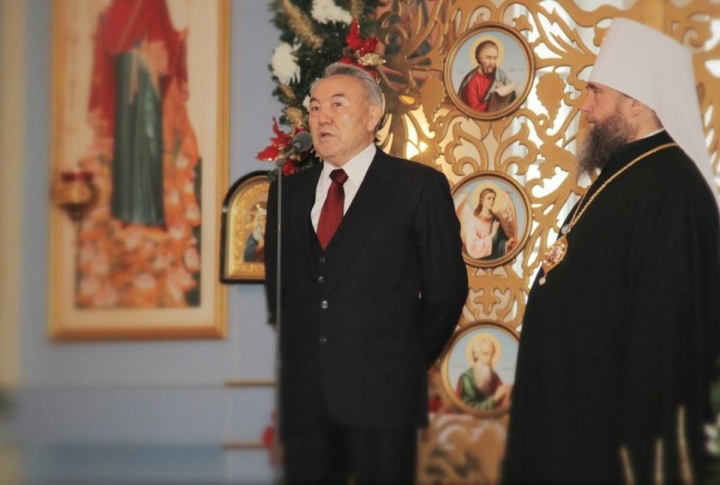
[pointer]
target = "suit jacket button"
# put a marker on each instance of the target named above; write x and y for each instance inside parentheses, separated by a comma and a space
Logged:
(323, 340)
(321, 279)
(322, 260)
(324, 304)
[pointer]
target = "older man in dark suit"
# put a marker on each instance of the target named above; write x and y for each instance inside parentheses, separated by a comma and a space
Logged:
(373, 283)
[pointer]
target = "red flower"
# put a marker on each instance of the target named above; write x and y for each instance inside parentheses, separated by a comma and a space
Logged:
(268, 440)
(280, 143)
(434, 404)
(356, 43)
(357, 47)
(269, 154)
(268, 436)
(349, 60)
(289, 167)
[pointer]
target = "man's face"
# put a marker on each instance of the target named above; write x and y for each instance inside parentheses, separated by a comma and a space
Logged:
(485, 353)
(608, 127)
(342, 122)
(488, 59)
(600, 103)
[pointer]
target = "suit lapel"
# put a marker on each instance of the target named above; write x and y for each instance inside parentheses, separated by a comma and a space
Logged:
(300, 208)
(362, 215)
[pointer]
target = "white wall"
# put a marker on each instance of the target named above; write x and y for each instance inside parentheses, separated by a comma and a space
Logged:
(155, 410)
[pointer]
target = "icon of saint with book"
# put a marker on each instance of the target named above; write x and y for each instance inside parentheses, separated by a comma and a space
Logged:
(488, 87)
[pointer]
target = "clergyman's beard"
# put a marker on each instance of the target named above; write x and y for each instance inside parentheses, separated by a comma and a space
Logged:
(603, 142)
(489, 71)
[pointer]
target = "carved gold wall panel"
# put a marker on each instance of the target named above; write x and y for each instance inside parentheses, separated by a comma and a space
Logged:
(535, 145)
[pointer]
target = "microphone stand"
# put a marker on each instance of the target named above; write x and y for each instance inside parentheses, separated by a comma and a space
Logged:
(301, 142)
(278, 291)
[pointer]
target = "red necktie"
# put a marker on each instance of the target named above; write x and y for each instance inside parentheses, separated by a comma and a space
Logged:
(332, 210)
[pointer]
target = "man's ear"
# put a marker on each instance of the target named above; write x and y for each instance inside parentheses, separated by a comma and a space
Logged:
(375, 113)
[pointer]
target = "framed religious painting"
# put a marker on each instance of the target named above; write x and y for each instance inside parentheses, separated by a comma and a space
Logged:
(478, 368)
(489, 71)
(494, 213)
(242, 233)
(139, 166)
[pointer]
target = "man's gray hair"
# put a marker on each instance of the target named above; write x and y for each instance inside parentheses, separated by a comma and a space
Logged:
(373, 93)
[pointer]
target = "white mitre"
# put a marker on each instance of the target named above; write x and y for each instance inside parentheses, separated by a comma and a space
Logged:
(657, 71)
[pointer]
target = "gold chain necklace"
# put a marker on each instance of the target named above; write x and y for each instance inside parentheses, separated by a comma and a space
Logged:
(557, 251)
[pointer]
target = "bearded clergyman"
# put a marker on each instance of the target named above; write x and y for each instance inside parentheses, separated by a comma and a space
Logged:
(622, 326)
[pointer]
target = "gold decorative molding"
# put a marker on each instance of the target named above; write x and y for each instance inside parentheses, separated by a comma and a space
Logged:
(250, 383)
(535, 145)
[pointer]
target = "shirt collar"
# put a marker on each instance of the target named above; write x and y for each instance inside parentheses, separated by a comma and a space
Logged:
(356, 167)
(654, 133)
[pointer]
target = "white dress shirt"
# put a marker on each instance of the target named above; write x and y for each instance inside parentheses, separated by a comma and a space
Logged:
(355, 168)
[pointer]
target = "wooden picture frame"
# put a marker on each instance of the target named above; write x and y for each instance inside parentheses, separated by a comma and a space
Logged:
(471, 387)
(142, 261)
(494, 236)
(243, 229)
(489, 71)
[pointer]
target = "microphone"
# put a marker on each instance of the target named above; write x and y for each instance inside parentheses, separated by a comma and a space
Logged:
(301, 143)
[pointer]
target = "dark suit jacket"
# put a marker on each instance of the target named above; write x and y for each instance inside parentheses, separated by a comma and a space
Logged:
(362, 321)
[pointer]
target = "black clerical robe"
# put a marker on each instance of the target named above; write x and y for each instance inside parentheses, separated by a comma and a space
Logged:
(624, 333)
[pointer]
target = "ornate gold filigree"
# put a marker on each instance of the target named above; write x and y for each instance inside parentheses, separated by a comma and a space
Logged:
(536, 144)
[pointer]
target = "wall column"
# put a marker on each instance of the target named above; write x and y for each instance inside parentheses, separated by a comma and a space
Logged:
(12, 111)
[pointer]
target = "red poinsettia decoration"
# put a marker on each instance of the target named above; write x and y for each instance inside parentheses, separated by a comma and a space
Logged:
(361, 51)
(434, 404)
(268, 440)
(280, 143)
(355, 41)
